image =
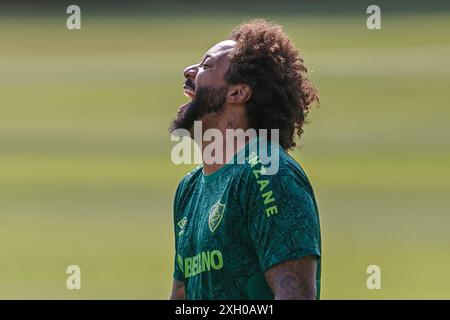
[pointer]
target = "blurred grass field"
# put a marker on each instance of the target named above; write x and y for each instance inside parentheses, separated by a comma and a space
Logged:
(85, 170)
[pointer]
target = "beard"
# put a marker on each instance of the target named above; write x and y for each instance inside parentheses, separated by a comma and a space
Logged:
(207, 100)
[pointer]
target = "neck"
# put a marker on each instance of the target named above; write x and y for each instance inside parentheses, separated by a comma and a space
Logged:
(224, 147)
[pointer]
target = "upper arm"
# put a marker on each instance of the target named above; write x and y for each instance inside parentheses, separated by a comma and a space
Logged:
(293, 279)
(287, 243)
(178, 290)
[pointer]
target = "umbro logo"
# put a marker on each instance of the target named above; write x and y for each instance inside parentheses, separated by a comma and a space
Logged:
(182, 224)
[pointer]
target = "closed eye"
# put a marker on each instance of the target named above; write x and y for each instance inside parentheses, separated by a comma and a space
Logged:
(205, 63)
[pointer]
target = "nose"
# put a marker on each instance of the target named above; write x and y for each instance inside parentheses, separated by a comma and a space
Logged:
(191, 72)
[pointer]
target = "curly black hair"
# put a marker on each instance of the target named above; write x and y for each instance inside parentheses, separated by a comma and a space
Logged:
(265, 59)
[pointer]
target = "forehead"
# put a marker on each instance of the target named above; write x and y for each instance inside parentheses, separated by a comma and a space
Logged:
(221, 48)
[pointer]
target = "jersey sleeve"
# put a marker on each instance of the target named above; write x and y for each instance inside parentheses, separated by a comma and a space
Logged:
(178, 273)
(282, 218)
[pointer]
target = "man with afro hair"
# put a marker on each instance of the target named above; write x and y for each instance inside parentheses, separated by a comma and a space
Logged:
(242, 232)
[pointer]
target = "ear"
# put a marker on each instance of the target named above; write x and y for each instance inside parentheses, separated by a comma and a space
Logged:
(239, 93)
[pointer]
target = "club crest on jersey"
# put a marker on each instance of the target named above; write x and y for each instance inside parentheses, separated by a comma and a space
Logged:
(215, 216)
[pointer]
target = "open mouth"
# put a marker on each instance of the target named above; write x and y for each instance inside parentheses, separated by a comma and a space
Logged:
(189, 91)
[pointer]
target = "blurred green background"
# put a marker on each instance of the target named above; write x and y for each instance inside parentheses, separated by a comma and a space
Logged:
(85, 170)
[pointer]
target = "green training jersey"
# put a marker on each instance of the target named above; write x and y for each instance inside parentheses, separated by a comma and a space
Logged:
(234, 224)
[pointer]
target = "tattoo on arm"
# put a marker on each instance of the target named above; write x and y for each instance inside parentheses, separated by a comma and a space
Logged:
(294, 279)
(178, 291)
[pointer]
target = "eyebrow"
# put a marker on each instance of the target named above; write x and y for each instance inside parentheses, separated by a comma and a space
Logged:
(205, 57)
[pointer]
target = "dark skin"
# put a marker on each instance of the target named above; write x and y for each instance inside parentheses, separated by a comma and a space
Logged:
(293, 279)
(289, 280)
(178, 292)
(210, 73)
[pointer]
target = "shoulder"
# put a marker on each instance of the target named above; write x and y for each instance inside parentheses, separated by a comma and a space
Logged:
(272, 163)
(190, 178)
(277, 177)
(186, 185)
